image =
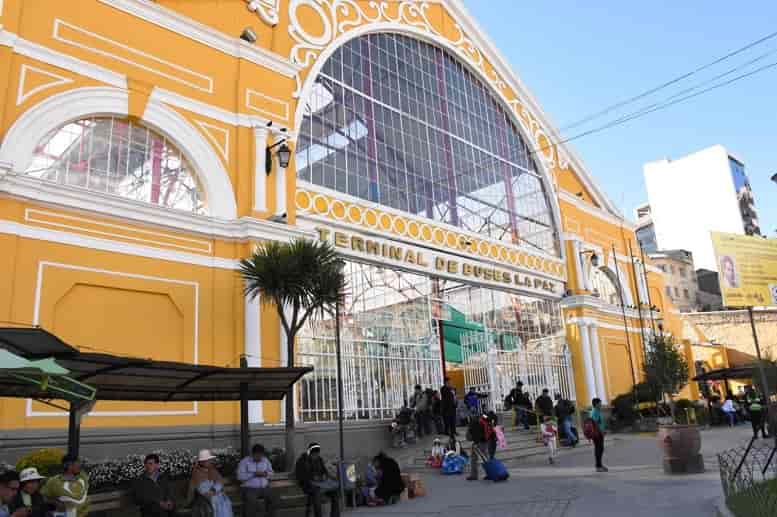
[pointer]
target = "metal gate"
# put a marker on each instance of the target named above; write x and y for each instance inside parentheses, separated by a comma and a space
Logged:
(493, 370)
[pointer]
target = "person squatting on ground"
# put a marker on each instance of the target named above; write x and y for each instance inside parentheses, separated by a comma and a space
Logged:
(152, 491)
(389, 477)
(254, 473)
(480, 432)
(316, 481)
(549, 433)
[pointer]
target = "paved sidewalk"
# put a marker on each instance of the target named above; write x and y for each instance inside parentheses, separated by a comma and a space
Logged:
(636, 485)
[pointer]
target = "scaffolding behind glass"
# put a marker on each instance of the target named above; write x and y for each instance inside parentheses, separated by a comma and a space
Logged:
(389, 344)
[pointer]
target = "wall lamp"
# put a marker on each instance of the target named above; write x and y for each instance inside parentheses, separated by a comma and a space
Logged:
(283, 153)
(249, 35)
(594, 257)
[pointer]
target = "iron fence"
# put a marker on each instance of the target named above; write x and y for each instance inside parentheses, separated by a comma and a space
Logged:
(749, 477)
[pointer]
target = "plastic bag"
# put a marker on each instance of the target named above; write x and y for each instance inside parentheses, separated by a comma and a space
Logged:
(453, 464)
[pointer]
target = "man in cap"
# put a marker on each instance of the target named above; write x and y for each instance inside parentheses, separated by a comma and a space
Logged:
(70, 490)
(315, 480)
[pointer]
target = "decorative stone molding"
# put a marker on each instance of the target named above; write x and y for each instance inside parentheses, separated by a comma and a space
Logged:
(266, 9)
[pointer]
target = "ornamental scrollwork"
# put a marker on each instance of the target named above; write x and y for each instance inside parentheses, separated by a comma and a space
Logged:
(266, 9)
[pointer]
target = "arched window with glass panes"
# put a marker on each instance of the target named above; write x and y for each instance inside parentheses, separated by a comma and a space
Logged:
(117, 156)
(405, 124)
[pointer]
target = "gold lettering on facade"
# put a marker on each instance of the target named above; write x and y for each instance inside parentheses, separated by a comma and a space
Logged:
(357, 244)
(410, 257)
(421, 260)
(341, 240)
(453, 266)
(467, 269)
(323, 234)
(439, 264)
(373, 248)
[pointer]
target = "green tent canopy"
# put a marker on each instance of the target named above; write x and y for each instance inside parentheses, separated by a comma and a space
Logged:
(45, 373)
(453, 330)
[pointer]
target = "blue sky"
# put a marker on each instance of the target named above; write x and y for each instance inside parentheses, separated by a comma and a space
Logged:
(579, 57)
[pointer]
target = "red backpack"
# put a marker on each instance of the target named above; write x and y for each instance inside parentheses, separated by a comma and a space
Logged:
(591, 429)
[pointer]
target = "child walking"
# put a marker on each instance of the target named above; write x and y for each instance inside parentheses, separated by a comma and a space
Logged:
(549, 433)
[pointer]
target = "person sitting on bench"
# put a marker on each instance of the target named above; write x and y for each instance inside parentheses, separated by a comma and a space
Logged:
(316, 481)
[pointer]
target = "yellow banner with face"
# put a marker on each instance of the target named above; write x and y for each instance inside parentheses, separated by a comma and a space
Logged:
(747, 269)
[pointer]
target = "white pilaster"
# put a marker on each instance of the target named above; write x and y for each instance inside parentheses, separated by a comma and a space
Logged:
(578, 265)
(260, 174)
(597, 360)
(588, 364)
(280, 190)
(253, 351)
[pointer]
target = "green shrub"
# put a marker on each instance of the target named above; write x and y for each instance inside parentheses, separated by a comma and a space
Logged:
(47, 461)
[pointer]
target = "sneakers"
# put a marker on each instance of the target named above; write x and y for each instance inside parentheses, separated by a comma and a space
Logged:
(470, 478)
(602, 469)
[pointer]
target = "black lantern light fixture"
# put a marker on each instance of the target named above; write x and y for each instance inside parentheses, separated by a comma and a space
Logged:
(283, 153)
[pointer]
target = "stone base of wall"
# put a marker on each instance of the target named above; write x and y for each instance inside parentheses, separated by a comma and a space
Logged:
(362, 439)
(732, 329)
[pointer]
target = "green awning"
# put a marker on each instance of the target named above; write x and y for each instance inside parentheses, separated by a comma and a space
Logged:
(453, 330)
(12, 363)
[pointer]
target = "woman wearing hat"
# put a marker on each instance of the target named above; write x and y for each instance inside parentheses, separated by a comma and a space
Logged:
(206, 489)
(29, 495)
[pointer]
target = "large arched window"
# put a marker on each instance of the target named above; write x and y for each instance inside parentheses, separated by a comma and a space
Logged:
(119, 157)
(605, 283)
(403, 123)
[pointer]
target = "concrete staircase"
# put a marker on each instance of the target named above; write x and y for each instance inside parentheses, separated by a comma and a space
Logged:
(521, 445)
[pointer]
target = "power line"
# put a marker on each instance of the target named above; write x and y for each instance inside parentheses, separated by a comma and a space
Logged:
(661, 86)
(657, 107)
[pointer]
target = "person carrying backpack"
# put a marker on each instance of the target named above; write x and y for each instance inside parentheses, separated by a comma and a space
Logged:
(479, 432)
(593, 430)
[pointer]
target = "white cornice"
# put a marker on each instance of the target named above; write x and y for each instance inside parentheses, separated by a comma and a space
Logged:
(55, 195)
(592, 302)
(594, 211)
(232, 46)
(471, 27)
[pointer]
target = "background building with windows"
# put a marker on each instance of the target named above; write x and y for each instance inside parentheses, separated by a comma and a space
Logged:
(722, 201)
(679, 277)
(135, 173)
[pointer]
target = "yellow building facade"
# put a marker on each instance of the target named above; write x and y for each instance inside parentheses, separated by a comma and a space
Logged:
(134, 177)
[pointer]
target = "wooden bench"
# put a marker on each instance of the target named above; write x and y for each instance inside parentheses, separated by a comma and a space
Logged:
(119, 503)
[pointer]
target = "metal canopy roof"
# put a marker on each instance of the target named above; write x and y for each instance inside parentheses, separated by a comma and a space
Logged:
(726, 373)
(127, 378)
(34, 343)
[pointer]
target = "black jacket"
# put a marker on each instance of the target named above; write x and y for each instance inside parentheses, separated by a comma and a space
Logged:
(309, 469)
(448, 404)
(148, 493)
(39, 505)
(545, 405)
(390, 483)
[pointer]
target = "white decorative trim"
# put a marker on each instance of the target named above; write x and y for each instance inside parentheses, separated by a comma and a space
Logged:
(29, 216)
(127, 210)
(260, 171)
(282, 104)
(304, 185)
(266, 9)
(600, 324)
(114, 246)
(594, 211)
(232, 46)
(66, 62)
(28, 130)
(223, 149)
(22, 96)
(195, 336)
(252, 348)
(594, 303)
(172, 76)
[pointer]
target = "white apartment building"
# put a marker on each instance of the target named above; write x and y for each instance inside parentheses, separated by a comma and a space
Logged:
(692, 196)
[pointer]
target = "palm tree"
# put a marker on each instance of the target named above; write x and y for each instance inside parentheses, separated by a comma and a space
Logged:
(302, 279)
